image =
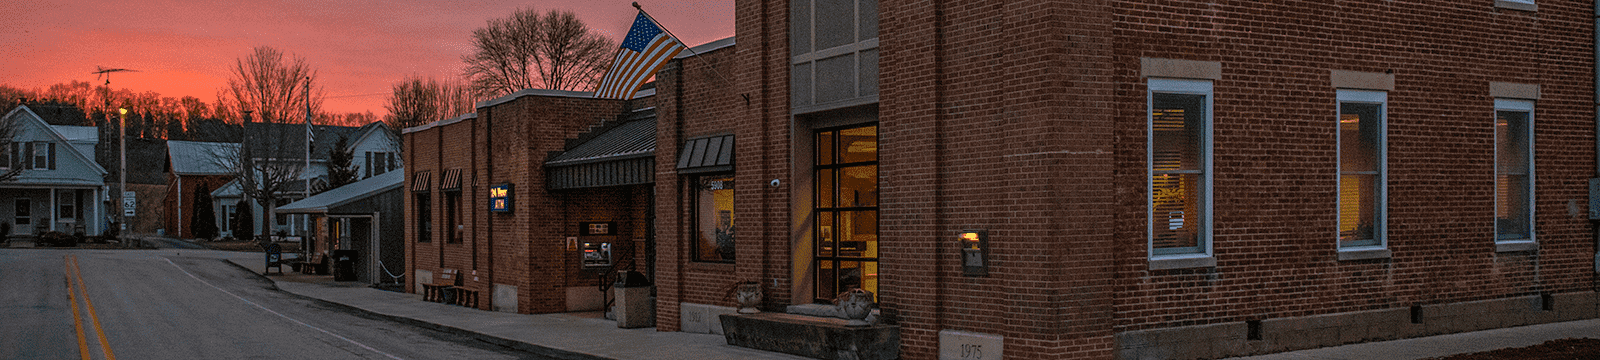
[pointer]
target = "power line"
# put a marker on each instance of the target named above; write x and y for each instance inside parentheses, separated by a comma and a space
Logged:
(354, 95)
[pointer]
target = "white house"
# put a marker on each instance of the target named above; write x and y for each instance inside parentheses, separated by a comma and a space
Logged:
(374, 147)
(60, 187)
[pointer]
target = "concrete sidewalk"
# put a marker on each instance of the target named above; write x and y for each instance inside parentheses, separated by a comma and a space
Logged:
(567, 336)
(575, 336)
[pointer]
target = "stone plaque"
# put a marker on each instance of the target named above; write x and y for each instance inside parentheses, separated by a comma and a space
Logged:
(963, 345)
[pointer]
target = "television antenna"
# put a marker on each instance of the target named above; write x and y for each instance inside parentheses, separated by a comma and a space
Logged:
(101, 71)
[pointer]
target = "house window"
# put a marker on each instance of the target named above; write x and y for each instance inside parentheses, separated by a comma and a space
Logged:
(1180, 168)
(452, 224)
(424, 217)
(1513, 170)
(846, 208)
(379, 163)
(67, 204)
(5, 157)
(713, 218)
(228, 211)
(1362, 179)
(43, 155)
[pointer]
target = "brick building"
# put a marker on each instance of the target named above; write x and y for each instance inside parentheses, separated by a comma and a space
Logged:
(1153, 180)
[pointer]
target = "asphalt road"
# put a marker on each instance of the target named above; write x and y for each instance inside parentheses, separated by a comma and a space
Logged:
(165, 304)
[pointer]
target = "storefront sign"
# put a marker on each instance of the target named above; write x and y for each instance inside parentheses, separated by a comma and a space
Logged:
(500, 198)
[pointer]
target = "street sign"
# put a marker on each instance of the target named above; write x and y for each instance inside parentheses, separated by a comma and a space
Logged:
(129, 202)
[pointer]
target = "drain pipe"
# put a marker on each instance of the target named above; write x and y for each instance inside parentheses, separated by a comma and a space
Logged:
(1594, 184)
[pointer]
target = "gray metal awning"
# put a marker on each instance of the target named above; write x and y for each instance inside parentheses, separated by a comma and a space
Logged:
(621, 154)
(708, 154)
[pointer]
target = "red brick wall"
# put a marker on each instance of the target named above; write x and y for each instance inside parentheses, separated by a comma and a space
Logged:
(172, 204)
(1027, 119)
(694, 98)
(506, 143)
(1275, 154)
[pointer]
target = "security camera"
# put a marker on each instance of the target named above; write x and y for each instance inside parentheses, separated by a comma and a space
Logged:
(775, 183)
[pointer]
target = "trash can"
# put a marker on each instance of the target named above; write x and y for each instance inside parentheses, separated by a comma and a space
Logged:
(344, 265)
(635, 308)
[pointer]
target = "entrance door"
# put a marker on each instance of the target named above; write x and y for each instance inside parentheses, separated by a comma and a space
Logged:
(22, 220)
(357, 233)
(846, 242)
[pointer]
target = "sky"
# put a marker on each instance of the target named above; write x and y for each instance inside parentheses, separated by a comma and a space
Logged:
(359, 48)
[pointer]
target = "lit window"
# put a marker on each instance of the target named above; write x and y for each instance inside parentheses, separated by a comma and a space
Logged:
(1180, 167)
(1362, 178)
(1513, 170)
(714, 219)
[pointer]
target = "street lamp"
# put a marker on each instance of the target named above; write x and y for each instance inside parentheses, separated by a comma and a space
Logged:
(122, 233)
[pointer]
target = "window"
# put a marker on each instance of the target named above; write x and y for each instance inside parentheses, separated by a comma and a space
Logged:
(6, 154)
(424, 217)
(1363, 182)
(1513, 170)
(1180, 168)
(43, 155)
(713, 218)
(67, 204)
(834, 49)
(1524, 5)
(846, 233)
(229, 211)
(379, 163)
(452, 218)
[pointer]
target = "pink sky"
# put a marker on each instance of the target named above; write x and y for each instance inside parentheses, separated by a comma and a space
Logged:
(359, 48)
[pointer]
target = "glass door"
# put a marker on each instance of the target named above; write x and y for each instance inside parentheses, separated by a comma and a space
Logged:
(846, 206)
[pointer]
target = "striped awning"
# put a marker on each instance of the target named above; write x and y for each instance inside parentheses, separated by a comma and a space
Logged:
(709, 154)
(451, 180)
(419, 181)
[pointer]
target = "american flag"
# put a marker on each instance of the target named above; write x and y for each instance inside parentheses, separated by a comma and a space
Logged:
(644, 51)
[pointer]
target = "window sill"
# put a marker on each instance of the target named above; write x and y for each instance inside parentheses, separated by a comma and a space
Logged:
(1365, 254)
(1516, 5)
(1520, 246)
(1183, 262)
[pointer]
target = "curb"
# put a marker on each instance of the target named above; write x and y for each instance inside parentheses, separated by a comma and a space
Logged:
(491, 339)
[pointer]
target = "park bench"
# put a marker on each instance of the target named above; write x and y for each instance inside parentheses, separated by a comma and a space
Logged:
(450, 292)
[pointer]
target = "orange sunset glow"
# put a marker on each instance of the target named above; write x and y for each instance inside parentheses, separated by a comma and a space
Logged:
(358, 48)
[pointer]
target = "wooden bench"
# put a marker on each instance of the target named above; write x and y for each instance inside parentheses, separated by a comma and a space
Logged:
(438, 291)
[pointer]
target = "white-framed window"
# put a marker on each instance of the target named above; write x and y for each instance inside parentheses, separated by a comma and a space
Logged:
(42, 154)
(67, 204)
(1363, 177)
(1524, 5)
(1179, 158)
(379, 163)
(1513, 171)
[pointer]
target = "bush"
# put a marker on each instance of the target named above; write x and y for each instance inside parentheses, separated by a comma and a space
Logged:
(56, 239)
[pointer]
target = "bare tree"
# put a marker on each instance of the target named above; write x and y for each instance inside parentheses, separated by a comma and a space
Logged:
(8, 134)
(272, 88)
(266, 164)
(417, 101)
(528, 50)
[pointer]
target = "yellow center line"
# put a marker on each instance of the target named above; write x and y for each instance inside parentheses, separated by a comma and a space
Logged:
(105, 346)
(83, 345)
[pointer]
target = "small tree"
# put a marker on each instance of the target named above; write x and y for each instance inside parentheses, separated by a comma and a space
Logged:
(244, 225)
(340, 170)
(204, 224)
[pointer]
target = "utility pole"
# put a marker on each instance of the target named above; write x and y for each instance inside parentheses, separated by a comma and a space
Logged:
(122, 234)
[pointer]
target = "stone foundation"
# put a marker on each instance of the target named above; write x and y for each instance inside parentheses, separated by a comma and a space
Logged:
(814, 337)
(1288, 334)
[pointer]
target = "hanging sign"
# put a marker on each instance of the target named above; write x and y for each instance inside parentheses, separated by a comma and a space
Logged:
(500, 198)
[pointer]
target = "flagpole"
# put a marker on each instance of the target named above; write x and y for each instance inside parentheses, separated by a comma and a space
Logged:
(685, 46)
(308, 147)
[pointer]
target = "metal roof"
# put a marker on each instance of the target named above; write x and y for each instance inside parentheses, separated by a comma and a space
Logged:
(631, 139)
(320, 203)
(200, 158)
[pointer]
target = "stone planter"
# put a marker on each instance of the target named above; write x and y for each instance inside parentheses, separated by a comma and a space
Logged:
(748, 295)
(855, 305)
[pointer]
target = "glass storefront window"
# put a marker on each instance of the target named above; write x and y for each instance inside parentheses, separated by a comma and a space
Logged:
(714, 230)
